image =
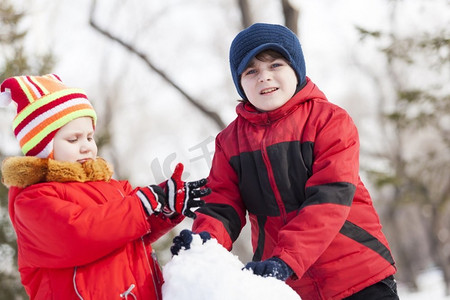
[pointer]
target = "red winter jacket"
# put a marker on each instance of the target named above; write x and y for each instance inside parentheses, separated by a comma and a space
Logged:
(85, 240)
(296, 171)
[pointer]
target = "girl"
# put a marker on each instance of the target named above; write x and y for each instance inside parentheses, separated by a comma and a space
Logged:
(82, 234)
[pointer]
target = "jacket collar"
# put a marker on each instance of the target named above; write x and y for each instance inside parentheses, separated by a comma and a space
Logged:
(251, 114)
(27, 170)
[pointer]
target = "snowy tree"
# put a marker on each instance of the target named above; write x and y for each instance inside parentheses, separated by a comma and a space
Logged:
(413, 112)
(14, 60)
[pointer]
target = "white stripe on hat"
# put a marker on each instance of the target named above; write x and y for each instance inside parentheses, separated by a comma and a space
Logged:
(36, 92)
(45, 153)
(48, 114)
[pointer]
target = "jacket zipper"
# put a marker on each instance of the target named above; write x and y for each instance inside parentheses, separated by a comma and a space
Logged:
(148, 264)
(273, 184)
(316, 288)
(74, 283)
(132, 286)
(153, 274)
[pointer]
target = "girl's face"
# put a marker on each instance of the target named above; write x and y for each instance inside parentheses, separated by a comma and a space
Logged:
(74, 142)
(269, 84)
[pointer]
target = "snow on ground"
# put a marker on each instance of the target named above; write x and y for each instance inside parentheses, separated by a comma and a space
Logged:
(431, 286)
(209, 272)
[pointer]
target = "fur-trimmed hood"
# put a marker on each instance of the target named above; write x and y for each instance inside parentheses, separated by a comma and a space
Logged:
(27, 170)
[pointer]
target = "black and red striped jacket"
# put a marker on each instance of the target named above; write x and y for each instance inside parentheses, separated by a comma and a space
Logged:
(296, 171)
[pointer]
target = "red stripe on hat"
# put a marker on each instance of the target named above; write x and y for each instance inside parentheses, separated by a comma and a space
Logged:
(27, 88)
(17, 94)
(41, 93)
(56, 76)
(45, 108)
(41, 126)
(42, 144)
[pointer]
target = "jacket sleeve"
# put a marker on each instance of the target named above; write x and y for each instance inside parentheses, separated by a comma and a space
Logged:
(53, 232)
(329, 191)
(223, 215)
(159, 224)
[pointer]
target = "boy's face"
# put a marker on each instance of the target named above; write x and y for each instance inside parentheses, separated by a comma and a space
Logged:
(74, 142)
(269, 84)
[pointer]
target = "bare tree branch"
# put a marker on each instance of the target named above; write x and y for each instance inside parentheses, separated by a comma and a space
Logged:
(244, 7)
(208, 113)
(291, 15)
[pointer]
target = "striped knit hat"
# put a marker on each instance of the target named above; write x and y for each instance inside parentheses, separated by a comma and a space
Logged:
(44, 105)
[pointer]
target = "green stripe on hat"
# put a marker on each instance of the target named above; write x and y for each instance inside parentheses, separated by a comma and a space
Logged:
(56, 125)
(41, 102)
(25, 88)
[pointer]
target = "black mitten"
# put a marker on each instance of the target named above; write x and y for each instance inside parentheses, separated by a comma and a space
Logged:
(184, 240)
(273, 267)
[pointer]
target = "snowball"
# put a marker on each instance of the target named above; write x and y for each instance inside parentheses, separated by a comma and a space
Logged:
(208, 271)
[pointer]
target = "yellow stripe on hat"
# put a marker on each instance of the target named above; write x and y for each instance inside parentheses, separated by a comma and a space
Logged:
(26, 89)
(42, 101)
(45, 119)
(42, 87)
(58, 123)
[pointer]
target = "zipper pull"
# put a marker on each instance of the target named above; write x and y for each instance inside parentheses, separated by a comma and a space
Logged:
(127, 292)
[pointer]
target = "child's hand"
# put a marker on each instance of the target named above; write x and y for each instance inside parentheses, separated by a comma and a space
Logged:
(182, 196)
(273, 267)
(184, 240)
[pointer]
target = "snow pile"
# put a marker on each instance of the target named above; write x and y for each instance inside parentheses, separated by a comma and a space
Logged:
(209, 272)
(431, 286)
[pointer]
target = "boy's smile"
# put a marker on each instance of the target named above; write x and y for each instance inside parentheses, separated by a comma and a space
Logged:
(268, 85)
(266, 91)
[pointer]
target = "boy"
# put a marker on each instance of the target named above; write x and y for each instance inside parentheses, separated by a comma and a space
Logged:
(291, 160)
(80, 233)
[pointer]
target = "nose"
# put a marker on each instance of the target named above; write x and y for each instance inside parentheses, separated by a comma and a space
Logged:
(86, 147)
(264, 75)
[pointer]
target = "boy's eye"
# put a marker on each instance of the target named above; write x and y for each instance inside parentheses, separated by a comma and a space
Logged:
(250, 71)
(72, 140)
(276, 65)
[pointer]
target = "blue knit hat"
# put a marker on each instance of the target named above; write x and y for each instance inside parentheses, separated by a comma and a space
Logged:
(259, 37)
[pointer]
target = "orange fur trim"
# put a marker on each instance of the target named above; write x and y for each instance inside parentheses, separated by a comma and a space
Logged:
(27, 170)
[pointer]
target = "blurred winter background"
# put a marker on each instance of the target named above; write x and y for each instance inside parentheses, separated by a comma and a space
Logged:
(157, 73)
